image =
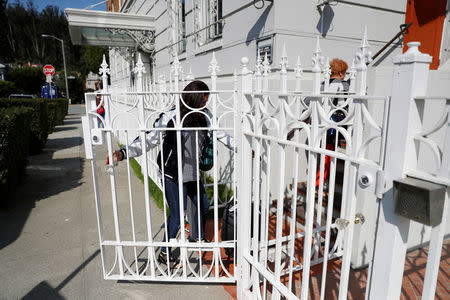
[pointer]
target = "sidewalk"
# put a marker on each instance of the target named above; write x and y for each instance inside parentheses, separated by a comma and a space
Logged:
(49, 245)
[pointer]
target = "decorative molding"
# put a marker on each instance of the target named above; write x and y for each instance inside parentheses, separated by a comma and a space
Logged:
(127, 53)
(145, 39)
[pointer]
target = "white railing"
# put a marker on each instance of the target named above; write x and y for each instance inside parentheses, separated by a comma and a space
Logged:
(285, 134)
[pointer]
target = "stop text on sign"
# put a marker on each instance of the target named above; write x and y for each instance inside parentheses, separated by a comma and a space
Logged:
(49, 70)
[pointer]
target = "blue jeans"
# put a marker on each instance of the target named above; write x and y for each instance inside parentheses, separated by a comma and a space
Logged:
(189, 190)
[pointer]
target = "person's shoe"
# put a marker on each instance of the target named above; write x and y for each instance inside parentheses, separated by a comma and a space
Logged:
(162, 258)
(195, 240)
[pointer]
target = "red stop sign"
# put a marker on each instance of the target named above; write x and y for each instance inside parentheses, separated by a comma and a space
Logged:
(49, 70)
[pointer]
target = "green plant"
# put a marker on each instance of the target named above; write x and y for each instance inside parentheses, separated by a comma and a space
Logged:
(38, 120)
(155, 191)
(14, 139)
(224, 193)
(57, 111)
(7, 88)
(28, 79)
(51, 116)
(76, 86)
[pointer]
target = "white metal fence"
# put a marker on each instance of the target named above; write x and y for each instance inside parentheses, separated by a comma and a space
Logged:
(295, 224)
(293, 172)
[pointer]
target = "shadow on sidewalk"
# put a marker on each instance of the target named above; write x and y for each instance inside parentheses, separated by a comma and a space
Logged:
(45, 177)
(45, 291)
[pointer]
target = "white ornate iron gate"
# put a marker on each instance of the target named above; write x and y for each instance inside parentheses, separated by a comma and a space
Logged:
(131, 251)
(307, 170)
(293, 173)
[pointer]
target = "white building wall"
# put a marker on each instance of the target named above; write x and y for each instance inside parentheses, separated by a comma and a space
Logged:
(290, 22)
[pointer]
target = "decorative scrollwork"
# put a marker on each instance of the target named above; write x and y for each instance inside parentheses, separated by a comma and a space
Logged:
(144, 38)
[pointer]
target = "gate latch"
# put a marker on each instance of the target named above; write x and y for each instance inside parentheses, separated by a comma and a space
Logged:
(343, 223)
(371, 179)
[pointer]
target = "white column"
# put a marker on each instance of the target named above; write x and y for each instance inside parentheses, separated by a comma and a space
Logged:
(244, 173)
(409, 80)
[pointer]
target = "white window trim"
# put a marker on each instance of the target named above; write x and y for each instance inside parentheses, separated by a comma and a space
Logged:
(203, 18)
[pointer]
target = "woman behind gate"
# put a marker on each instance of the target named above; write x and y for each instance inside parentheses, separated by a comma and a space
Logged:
(192, 144)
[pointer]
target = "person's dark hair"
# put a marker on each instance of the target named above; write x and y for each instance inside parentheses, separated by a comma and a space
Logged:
(193, 100)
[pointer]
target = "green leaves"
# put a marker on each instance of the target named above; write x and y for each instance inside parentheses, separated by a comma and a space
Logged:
(14, 139)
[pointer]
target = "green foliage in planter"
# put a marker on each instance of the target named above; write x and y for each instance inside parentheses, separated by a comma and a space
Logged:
(39, 121)
(14, 139)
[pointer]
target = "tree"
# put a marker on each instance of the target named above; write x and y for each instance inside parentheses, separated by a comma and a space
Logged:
(93, 57)
(4, 48)
(21, 28)
(76, 86)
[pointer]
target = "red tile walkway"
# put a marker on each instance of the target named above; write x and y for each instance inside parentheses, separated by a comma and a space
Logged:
(412, 285)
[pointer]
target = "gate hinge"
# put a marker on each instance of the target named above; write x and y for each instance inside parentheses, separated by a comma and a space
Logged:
(372, 179)
(87, 137)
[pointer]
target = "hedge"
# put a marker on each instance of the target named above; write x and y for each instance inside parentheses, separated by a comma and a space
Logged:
(61, 107)
(39, 120)
(15, 128)
(47, 113)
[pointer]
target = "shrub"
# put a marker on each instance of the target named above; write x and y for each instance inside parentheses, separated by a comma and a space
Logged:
(61, 109)
(39, 120)
(14, 139)
(28, 79)
(51, 115)
(7, 88)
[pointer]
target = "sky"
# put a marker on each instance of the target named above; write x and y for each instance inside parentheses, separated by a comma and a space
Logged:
(63, 4)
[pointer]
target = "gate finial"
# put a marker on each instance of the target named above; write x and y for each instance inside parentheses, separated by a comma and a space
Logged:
(176, 66)
(103, 70)
(327, 74)
(139, 69)
(317, 58)
(266, 65)
(259, 66)
(298, 74)
(284, 60)
(213, 67)
(244, 63)
(364, 57)
(298, 68)
(352, 77)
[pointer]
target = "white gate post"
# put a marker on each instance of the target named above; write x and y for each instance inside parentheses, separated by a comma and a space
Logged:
(409, 80)
(244, 189)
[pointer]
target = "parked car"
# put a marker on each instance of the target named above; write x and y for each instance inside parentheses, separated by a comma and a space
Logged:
(22, 96)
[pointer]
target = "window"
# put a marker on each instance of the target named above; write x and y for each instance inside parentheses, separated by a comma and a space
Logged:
(177, 26)
(208, 24)
(181, 22)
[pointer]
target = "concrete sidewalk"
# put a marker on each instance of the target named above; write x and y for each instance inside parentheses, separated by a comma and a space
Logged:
(49, 246)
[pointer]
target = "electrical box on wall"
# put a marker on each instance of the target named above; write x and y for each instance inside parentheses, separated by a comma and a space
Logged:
(419, 200)
(264, 46)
